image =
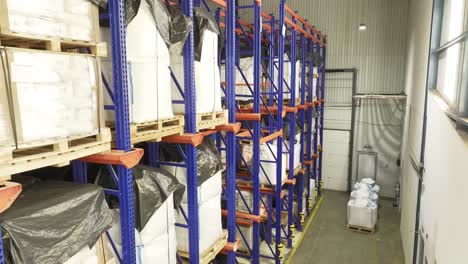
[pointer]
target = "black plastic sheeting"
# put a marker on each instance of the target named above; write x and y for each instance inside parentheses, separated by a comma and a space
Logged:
(204, 21)
(287, 130)
(152, 187)
(208, 158)
(52, 221)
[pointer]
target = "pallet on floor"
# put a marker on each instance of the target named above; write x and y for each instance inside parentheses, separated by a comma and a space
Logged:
(153, 131)
(58, 153)
(360, 229)
(210, 254)
(25, 41)
(211, 120)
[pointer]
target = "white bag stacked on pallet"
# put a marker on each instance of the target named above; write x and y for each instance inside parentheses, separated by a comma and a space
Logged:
(246, 65)
(286, 79)
(297, 152)
(362, 206)
(157, 241)
(54, 95)
(209, 210)
(148, 71)
(207, 76)
(246, 237)
(70, 19)
(314, 86)
(86, 256)
(268, 166)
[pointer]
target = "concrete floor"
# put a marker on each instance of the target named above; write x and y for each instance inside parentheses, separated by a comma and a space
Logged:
(328, 241)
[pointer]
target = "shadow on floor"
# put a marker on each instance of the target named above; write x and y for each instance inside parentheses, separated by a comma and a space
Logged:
(329, 242)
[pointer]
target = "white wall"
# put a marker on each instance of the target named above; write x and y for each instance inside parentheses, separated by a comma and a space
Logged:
(417, 52)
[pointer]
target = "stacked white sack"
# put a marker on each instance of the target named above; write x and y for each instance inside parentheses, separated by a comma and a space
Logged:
(209, 210)
(148, 64)
(362, 206)
(6, 135)
(70, 19)
(157, 241)
(56, 95)
(297, 152)
(267, 162)
(207, 76)
(246, 65)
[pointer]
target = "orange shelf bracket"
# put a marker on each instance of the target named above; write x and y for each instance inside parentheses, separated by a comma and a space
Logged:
(187, 138)
(9, 191)
(248, 117)
(117, 157)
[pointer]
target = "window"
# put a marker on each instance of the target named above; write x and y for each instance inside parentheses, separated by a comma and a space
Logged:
(449, 56)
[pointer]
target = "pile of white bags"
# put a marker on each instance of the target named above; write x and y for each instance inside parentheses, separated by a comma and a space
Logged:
(207, 76)
(268, 152)
(209, 211)
(148, 64)
(247, 67)
(157, 240)
(71, 19)
(362, 206)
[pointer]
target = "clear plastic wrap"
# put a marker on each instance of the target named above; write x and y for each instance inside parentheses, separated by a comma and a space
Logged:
(71, 19)
(55, 95)
(52, 221)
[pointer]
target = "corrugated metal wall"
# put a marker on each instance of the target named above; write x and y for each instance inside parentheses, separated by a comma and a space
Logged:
(378, 53)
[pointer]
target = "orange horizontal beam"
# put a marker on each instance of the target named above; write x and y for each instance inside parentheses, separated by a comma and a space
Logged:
(230, 246)
(266, 16)
(307, 162)
(251, 217)
(302, 107)
(8, 194)
(220, 2)
(303, 21)
(117, 157)
(290, 181)
(235, 128)
(248, 117)
(315, 156)
(263, 190)
(290, 109)
(187, 138)
(272, 136)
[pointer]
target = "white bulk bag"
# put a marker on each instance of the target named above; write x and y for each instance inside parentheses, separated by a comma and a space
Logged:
(6, 132)
(148, 71)
(297, 153)
(247, 67)
(362, 213)
(286, 79)
(207, 76)
(268, 152)
(84, 256)
(247, 232)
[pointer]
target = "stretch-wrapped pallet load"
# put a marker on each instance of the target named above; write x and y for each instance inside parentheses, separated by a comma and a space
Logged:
(286, 79)
(244, 78)
(363, 204)
(157, 195)
(206, 70)
(209, 173)
(148, 62)
(52, 95)
(55, 222)
(297, 143)
(65, 19)
(268, 162)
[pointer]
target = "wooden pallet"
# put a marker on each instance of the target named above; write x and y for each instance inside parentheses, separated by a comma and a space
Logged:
(210, 254)
(26, 41)
(153, 131)
(57, 153)
(360, 229)
(211, 120)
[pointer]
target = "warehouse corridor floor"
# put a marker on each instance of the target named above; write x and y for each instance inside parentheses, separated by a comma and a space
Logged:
(328, 241)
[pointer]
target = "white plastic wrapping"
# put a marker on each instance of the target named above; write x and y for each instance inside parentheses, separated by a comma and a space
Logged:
(55, 95)
(297, 153)
(286, 79)
(268, 166)
(148, 64)
(247, 67)
(6, 133)
(157, 240)
(207, 76)
(247, 232)
(362, 213)
(85, 256)
(70, 19)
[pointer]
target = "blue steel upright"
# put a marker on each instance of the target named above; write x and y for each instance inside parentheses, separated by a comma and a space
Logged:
(316, 48)
(230, 136)
(256, 129)
(279, 165)
(322, 111)
(191, 127)
(122, 126)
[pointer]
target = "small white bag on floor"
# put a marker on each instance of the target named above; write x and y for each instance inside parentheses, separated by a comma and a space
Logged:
(362, 213)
